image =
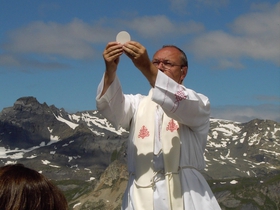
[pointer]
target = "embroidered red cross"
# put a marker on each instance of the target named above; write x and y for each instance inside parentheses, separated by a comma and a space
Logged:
(180, 95)
(172, 126)
(143, 132)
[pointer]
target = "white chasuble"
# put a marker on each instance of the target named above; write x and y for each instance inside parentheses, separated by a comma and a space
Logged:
(145, 176)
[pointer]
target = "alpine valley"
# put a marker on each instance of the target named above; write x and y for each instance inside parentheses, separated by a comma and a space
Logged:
(86, 157)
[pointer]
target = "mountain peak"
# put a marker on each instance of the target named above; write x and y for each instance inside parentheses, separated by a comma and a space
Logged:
(28, 103)
(26, 100)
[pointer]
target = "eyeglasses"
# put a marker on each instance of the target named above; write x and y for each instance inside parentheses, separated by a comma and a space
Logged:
(165, 64)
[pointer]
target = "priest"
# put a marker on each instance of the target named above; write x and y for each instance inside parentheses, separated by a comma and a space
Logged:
(168, 130)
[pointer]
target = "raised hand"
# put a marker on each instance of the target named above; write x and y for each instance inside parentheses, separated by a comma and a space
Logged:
(139, 56)
(111, 56)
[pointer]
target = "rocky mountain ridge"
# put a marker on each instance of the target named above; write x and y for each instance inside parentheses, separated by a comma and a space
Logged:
(83, 147)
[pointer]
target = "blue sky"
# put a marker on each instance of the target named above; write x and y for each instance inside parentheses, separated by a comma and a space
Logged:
(52, 50)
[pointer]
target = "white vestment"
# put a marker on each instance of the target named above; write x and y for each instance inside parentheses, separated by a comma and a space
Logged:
(191, 110)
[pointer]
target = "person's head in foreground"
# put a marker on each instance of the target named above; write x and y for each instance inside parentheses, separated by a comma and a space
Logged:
(172, 61)
(23, 188)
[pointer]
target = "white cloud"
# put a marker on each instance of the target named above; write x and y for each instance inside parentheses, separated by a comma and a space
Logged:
(213, 3)
(9, 60)
(15, 60)
(271, 98)
(254, 35)
(45, 8)
(247, 113)
(41, 41)
(161, 26)
(179, 6)
(72, 40)
(186, 6)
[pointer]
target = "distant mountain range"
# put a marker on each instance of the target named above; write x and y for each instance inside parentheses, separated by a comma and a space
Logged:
(86, 156)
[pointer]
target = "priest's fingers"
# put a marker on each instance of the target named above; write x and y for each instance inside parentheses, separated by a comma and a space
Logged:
(134, 50)
(112, 51)
(111, 55)
(138, 54)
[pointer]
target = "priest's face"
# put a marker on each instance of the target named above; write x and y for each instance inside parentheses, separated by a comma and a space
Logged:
(169, 61)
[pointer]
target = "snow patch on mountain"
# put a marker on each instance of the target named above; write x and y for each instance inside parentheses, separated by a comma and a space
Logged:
(69, 123)
(92, 120)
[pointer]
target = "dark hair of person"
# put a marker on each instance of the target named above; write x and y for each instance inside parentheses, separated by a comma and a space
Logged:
(183, 55)
(22, 188)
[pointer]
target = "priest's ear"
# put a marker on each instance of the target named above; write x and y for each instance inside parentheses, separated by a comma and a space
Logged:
(184, 71)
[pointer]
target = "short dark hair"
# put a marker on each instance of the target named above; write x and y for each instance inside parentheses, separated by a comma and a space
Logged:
(183, 54)
(23, 188)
